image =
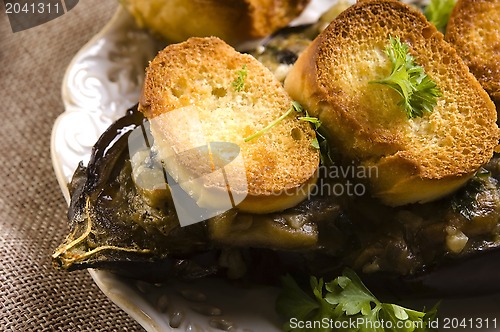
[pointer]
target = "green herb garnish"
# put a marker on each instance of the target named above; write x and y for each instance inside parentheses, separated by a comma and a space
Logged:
(316, 123)
(418, 90)
(315, 144)
(345, 304)
(295, 107)
(311, 119)
(239, 82)
(438, 12)
(320, 144)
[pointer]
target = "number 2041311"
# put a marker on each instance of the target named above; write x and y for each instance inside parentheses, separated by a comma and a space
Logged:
(33, 8)
(466, 323)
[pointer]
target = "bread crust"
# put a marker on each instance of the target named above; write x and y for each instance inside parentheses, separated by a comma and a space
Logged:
(420, 159)
(232, 20)
(474, 31)
(190, 98)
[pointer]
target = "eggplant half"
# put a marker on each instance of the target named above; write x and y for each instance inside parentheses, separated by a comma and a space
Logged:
(447, 247)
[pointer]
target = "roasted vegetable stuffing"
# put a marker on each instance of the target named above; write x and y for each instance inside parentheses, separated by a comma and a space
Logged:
(418, 90)
(345, 304)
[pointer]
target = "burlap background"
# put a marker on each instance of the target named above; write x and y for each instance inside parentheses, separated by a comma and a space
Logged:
(33, 296)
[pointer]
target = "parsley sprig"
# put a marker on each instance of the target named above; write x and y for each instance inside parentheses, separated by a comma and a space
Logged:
(316, 124)
(438, 12)
(418, 90)
(319, 144)
(346, 299)
(295, 107)
(239, 82)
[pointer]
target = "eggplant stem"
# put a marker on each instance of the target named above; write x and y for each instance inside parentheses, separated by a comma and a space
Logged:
(67, 259)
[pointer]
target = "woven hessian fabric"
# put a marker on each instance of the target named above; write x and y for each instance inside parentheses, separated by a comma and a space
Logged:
(34, 296)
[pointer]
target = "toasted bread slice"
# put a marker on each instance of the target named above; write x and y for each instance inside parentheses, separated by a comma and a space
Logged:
(202, 91)
(474, 31)
(232, 20)
(418, 159)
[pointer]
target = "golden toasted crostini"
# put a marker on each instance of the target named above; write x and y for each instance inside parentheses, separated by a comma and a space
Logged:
(419, 158)
(474, 31)
(203, 91)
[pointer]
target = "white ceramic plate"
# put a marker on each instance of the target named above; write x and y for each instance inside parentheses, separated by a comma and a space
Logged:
(104, 80)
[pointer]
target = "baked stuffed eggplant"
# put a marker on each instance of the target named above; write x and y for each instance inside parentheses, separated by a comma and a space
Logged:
(448, 246)
(439, 247)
